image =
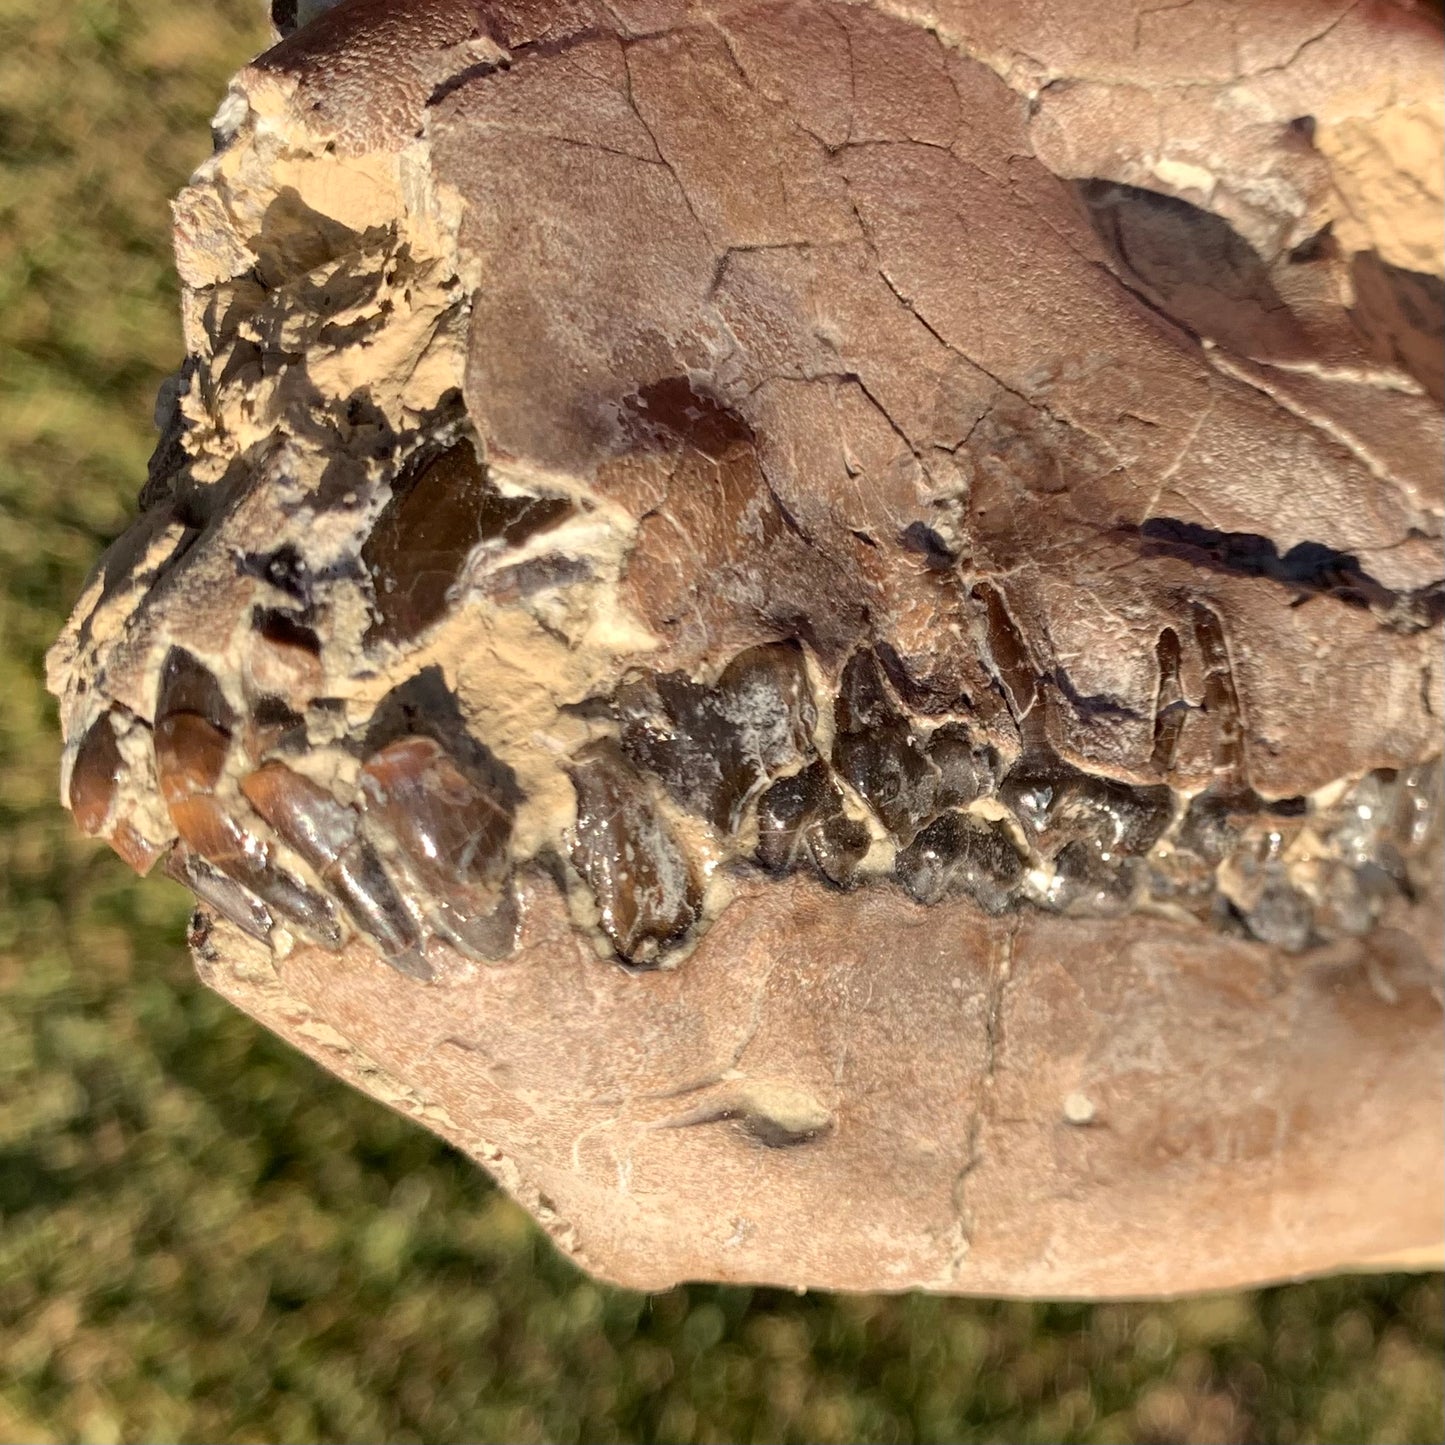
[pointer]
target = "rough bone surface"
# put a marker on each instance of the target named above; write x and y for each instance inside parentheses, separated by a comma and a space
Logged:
(815, 631)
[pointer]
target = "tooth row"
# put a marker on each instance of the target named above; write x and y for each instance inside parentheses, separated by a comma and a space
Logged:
(957, 820)
(422, 851)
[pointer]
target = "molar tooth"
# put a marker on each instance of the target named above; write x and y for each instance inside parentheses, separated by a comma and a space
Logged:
(1281, 915)
(877, 754)
(967, 768)
(802, 816)
(712, 748)
(958, 853)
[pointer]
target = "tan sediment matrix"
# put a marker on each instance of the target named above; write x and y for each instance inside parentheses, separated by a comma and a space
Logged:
(821, 596)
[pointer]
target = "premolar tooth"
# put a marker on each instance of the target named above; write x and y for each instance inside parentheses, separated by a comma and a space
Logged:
(645, 888)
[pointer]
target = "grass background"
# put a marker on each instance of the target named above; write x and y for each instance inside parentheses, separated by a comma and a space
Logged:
(204, 1238)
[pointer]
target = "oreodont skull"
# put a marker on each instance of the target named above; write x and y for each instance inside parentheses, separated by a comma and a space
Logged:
(818, 638)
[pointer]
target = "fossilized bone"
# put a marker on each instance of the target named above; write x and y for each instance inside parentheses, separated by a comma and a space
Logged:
(814, 629)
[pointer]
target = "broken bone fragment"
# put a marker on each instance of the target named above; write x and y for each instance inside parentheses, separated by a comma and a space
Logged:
(728, 630)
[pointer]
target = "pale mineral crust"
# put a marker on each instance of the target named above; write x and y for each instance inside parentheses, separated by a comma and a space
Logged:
(814, 629)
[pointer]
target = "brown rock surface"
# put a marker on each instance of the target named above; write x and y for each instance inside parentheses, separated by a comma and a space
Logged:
(912, 541)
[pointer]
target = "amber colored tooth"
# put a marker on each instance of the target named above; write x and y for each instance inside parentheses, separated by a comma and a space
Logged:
(210, 831)
(325, 833)
(452, 833)
(94, 786)
(139, 852)
(451, 830)
(190, 755)
(313, 822)
(96, 775)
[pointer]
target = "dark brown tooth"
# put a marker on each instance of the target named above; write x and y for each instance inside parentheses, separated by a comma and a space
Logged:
(1217, 820)
(483, 936)
(959, 854)
(889, 769)
(96, 775)
(192, 728)
(1058, 804)
(1091, 878)
(326, 834)
(453, 831)
(188, 686)
(1282, 916)
(876, 752)
(712, 748)
(838, 844)
(443, 505)
(967, 768)
(646, 890)
(787, 811)
(1212, 825)
(801, 817)
(863, 700)
(94, 785)
(368, 895)
(1353, 897)
(223, 894)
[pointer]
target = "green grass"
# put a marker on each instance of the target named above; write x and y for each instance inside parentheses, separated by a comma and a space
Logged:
(204, 1238)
